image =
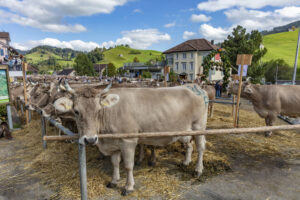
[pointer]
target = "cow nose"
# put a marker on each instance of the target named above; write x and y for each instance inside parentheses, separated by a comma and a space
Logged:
(91, 140)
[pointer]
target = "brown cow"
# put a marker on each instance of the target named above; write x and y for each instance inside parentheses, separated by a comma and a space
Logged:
(271, 100)
(136, 110)
(211, 92)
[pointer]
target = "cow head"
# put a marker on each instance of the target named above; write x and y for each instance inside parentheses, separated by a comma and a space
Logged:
(87, 106)
(248, 90)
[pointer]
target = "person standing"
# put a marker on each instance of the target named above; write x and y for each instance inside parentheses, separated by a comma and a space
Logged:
(218, 89)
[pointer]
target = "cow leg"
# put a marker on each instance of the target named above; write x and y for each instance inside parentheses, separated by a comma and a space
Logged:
(269, 122)
(141, 154)
(115, 160)
(189, 149)
(200, 145)
(128, 151)
(211, 110)
(152, 161)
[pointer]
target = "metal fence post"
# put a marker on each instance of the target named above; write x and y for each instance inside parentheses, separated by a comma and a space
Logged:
(82, 171)
(29, 115)
(22, 110)
(43, 131)
(9, 118)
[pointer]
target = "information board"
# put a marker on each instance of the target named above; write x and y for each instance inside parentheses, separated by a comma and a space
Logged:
(4, 85)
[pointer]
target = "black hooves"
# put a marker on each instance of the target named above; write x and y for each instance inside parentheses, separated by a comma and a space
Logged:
(111, 185)
(268, 134)
(151, 164)
(125, 192)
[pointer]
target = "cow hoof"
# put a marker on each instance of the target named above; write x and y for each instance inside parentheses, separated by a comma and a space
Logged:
(111, 185)
(268, 134)
(151, 164)
(126, 192)
(197, 174)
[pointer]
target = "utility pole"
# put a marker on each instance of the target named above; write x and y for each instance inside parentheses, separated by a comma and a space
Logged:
(296, 58)
(276, 75)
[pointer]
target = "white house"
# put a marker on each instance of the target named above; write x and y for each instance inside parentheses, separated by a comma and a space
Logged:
(186, 59)
(4, 38)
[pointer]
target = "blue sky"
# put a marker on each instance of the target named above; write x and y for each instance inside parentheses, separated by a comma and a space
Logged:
(143, 24)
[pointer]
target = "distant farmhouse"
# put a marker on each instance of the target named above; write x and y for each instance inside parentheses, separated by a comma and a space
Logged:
(67, 72)
(4, 38)
(136, 69)
(186, 59)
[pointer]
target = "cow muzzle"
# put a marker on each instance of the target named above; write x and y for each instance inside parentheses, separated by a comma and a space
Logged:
(89, 140)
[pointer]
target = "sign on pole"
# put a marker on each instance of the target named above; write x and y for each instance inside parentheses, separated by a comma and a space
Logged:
(4, 85)
(242, 59)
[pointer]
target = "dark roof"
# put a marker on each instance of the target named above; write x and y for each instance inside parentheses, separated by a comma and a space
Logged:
(99, 67)
(31, 68)
(193, 45)
(66, 72)
(5, 35)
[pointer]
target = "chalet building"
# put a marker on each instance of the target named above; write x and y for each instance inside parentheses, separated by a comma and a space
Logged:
(99, 68)
(67, 72)
(4, 43)
(136, 69)
(186, 59)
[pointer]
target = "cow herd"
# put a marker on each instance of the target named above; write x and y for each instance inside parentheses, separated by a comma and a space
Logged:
(100, 108)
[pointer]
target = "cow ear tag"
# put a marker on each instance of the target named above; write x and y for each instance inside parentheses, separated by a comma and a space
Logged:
(110, 100)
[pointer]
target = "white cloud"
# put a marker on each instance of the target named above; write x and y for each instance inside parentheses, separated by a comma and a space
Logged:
(263, 20)
(215, 5)
(188, 35)
(211, 33)
(139, 38)
(200, 18)
(48, 15)
(137, 11)
(170, 25)
(73, 44)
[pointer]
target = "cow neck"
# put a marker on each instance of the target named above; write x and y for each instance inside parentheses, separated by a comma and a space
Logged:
(255, 97)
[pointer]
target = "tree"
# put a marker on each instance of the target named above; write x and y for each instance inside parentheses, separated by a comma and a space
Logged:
(146, 74)
(173, 77)
(136, 60)
(112, 70)
(285, 72)
(241, 42)
(95, 55)
(83, 65)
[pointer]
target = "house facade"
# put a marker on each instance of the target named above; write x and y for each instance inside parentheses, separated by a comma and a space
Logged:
(4, 38)
(134, 70)
(186, 59)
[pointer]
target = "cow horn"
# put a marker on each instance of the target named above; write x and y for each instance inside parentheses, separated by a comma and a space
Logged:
(68, 87)
(107, 88)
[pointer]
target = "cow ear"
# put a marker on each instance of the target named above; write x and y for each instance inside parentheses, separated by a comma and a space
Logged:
(109, 100)
(63, 104)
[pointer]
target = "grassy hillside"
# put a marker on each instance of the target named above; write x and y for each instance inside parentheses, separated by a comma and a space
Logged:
(113, 55)
(281, 45)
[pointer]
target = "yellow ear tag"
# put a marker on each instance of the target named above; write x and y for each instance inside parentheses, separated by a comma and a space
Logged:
(104, 103)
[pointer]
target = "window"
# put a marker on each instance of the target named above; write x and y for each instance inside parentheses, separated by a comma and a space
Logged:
(192, 55)
(184, 55)
(191, 66)
(184, 66)
(177, 67)
(191, 76)
(177, 56)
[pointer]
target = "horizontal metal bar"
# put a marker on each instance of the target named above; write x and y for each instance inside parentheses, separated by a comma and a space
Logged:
(183, 133)
(222, 102)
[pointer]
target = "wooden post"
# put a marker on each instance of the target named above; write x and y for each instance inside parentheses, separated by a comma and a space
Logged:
(24, 67)
(233, 100)
(242, 59)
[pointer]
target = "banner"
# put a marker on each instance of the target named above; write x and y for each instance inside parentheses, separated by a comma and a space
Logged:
(245, 69)
(4, 89)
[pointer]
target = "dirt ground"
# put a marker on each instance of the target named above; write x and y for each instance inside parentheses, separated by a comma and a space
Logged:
(260, 168)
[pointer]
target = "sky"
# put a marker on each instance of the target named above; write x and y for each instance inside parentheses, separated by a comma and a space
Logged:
(143, 24)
